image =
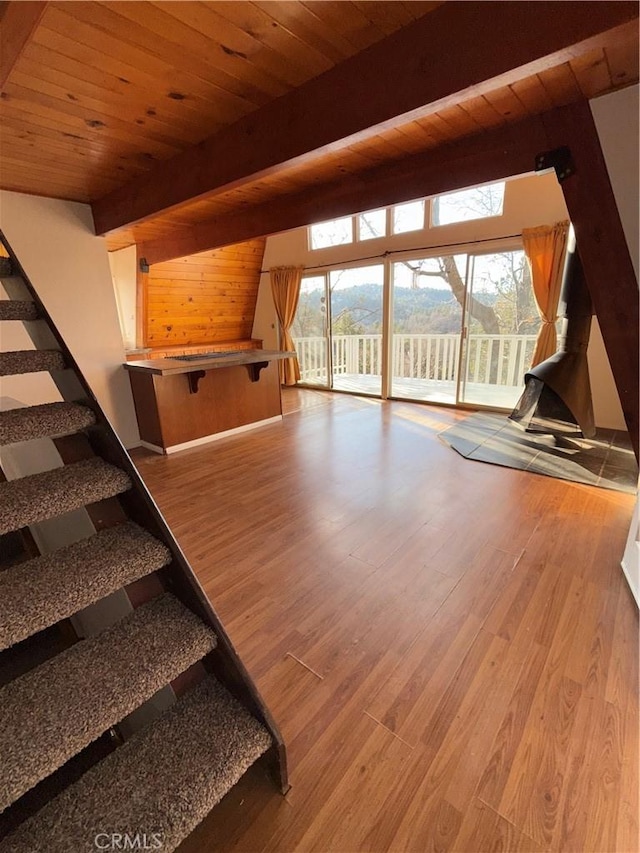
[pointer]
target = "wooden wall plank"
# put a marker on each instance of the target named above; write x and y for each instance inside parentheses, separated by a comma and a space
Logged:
(192, 50)
(254, 31)
(592, 73)
(345, 17)
(18, 22)
(561, 84)
(149, 75)
(532, 94)
(204, 298)
(623, 61)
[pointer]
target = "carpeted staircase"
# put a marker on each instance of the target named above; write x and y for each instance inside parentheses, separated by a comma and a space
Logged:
(154, 784)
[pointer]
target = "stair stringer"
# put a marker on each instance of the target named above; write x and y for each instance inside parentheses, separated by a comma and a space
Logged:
(224, 661)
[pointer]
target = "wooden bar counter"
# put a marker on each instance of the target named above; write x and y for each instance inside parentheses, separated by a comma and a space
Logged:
(186, 401)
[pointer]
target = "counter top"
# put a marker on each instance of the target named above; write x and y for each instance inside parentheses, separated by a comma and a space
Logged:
(190, 364)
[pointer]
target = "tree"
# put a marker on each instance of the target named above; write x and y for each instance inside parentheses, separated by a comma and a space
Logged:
(515, 305)
(448, 271)
(308, 319)
(346, 324)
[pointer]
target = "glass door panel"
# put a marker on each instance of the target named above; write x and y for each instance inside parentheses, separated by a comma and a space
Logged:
(428, 294)
(309, 332)
(501, 324)
(356, 329)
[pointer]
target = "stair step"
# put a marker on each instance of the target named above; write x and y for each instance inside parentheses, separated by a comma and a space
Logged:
(42, 591)
(164, 780)
(54, 711)
(52, 493)
(17, 309)
(30, 361)
(49, 420)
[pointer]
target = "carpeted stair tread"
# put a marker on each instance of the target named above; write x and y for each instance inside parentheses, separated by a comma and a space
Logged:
(164, 780)
(52, 493)
(54, 711)
(45, 421)
(17, 309)
(30, 361)
(42, 591)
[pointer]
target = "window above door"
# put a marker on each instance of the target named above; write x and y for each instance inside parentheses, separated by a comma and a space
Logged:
(449, 209)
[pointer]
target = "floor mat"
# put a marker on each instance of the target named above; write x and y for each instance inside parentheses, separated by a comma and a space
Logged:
(606, 461)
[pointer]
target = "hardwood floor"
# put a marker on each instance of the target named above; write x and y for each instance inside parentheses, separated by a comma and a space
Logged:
(449, 647)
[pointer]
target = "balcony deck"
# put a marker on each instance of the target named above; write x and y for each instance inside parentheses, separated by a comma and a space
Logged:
(428, 390)
(425, 366)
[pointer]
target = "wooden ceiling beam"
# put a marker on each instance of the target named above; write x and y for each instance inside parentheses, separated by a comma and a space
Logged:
(605, 257)
(18, 22)
(489, 156)
(493, 155)
(458, 51)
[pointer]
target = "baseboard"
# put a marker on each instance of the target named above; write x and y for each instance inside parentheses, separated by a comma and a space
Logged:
(207, 439)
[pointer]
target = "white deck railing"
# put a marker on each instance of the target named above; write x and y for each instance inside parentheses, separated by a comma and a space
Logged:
(491, 359)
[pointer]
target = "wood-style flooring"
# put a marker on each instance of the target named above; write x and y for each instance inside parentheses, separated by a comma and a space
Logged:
(449, 647)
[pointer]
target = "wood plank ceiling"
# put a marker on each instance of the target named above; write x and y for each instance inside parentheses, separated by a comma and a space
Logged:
(103, 91)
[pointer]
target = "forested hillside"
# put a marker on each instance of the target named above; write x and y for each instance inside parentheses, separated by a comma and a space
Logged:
(358, 310)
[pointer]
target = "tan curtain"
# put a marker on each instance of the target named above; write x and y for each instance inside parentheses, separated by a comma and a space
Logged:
(285, 287)
(545, 249)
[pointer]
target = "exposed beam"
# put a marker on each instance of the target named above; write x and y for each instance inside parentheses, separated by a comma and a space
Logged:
(457, 51)
(493, 155)
(496, 154)
(603, 250)
(18, 22)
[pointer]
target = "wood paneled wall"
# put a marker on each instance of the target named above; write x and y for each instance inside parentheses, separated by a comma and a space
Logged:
(205, 298)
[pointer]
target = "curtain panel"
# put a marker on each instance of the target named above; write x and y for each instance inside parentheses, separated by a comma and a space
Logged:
(545, 248)
(285, 287)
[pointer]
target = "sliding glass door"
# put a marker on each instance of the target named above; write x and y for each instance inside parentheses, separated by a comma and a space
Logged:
(463, 328)
(428, 295)
(310, 331)
(338, 329)
(356, 329)
(501, 325)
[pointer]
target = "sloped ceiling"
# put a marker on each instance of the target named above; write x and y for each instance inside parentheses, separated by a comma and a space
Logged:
(123, 104)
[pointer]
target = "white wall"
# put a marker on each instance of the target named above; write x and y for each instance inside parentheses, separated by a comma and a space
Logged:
(616, 117)
(607, 410)
(123, 275)
(631, 558)
(530, 200)
(68, 265)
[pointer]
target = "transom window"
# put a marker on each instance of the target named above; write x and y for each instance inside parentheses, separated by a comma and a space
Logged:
(334, 232)
(408, 217)
(448, 209)
(372, 224)
(465, 205)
